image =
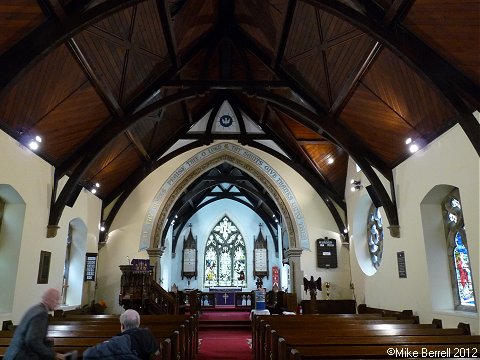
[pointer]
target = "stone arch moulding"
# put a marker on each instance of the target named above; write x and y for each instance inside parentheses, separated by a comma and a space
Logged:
(206, 159)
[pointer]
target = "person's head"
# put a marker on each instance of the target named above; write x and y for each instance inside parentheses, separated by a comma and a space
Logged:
(130, 319)
(51, 299)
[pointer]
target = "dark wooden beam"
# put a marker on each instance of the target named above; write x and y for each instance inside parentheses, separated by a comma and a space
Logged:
(351, 83)
(282, 40)
(168, 32)
(224, 84)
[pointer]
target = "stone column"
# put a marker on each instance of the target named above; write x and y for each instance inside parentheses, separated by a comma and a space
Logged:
(296, 276)
(155, 254)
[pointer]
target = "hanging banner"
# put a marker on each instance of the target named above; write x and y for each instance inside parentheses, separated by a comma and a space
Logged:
(275, 276)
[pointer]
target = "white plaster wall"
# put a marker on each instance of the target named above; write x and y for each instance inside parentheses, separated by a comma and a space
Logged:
(451, 159)
(124, 238)
(32, 178)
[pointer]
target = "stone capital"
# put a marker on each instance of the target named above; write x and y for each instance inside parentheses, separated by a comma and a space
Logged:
(293, 252)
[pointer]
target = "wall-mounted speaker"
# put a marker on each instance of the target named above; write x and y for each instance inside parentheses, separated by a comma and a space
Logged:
(373, 195)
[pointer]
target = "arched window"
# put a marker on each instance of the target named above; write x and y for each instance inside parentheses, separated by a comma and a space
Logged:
(459, 261)
(2, 206)
(225, 256)
(375, 235)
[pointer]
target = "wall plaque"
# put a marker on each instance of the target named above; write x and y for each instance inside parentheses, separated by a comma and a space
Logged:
(402, 269)
(327, 253)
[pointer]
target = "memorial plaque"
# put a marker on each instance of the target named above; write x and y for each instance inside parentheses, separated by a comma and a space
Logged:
(402, 269)
(90, 266)
(327, 253)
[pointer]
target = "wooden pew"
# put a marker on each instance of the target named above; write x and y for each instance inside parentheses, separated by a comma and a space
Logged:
(82, 331)
(326, 321)
(306, 330)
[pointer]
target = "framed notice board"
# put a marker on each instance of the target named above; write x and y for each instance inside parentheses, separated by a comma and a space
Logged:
(90, 266)
(327, 253)
(402, 268)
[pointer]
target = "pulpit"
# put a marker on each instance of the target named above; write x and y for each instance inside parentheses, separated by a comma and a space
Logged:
(135, 285)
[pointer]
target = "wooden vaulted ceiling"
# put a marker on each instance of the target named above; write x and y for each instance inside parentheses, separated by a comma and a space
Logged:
(112, 85)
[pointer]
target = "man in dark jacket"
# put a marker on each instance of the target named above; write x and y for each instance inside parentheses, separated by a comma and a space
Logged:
(29, 341)
(132, 343)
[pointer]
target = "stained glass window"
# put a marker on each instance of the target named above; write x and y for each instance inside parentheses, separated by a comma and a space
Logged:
(225, 256)
(459, 260)
(375, 235)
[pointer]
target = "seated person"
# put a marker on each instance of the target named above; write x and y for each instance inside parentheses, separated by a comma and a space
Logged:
(30, 340)
(132, 343)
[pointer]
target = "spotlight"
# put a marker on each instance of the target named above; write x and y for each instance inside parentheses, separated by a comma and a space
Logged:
(330, 160)
(408, 141)
(102, 227)
(97, 185)
(356, 185)
(33, 145)
(413, 148)
(93, 191)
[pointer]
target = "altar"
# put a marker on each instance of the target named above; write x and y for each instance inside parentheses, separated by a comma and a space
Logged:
(225, 296)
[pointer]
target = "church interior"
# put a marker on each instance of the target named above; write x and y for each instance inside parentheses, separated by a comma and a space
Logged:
(222, 147)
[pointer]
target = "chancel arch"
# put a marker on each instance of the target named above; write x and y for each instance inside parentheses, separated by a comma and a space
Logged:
(161, 206)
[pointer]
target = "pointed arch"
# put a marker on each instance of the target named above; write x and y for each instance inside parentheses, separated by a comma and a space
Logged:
(225, 256)
(267, 176)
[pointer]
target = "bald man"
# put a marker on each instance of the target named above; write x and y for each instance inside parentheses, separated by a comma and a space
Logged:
(30, 339)
(132, 343)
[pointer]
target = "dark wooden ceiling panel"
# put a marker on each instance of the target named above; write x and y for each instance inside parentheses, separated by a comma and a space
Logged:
(118, 24)
(116, 173)
(335, 172)
(262, 20)
(300, 131)
(333, 27)
(196, 67)
(106, 58)
(194, 19)
(41, 89)
(59, 141)
(377, 125)
(406, 93)
(113, 165)
(137, 54)
(346, 57)
(451, 27)
(304, 33)
(17, 19)
(153, 131)
(303, 57)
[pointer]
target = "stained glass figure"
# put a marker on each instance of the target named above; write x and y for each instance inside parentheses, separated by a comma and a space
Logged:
(225, 256)
(464, 294)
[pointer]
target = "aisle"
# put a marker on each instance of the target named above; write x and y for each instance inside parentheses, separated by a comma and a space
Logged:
(225, 344)
(225, 335)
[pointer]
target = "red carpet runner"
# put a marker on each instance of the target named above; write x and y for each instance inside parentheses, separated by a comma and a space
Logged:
(225, 342)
